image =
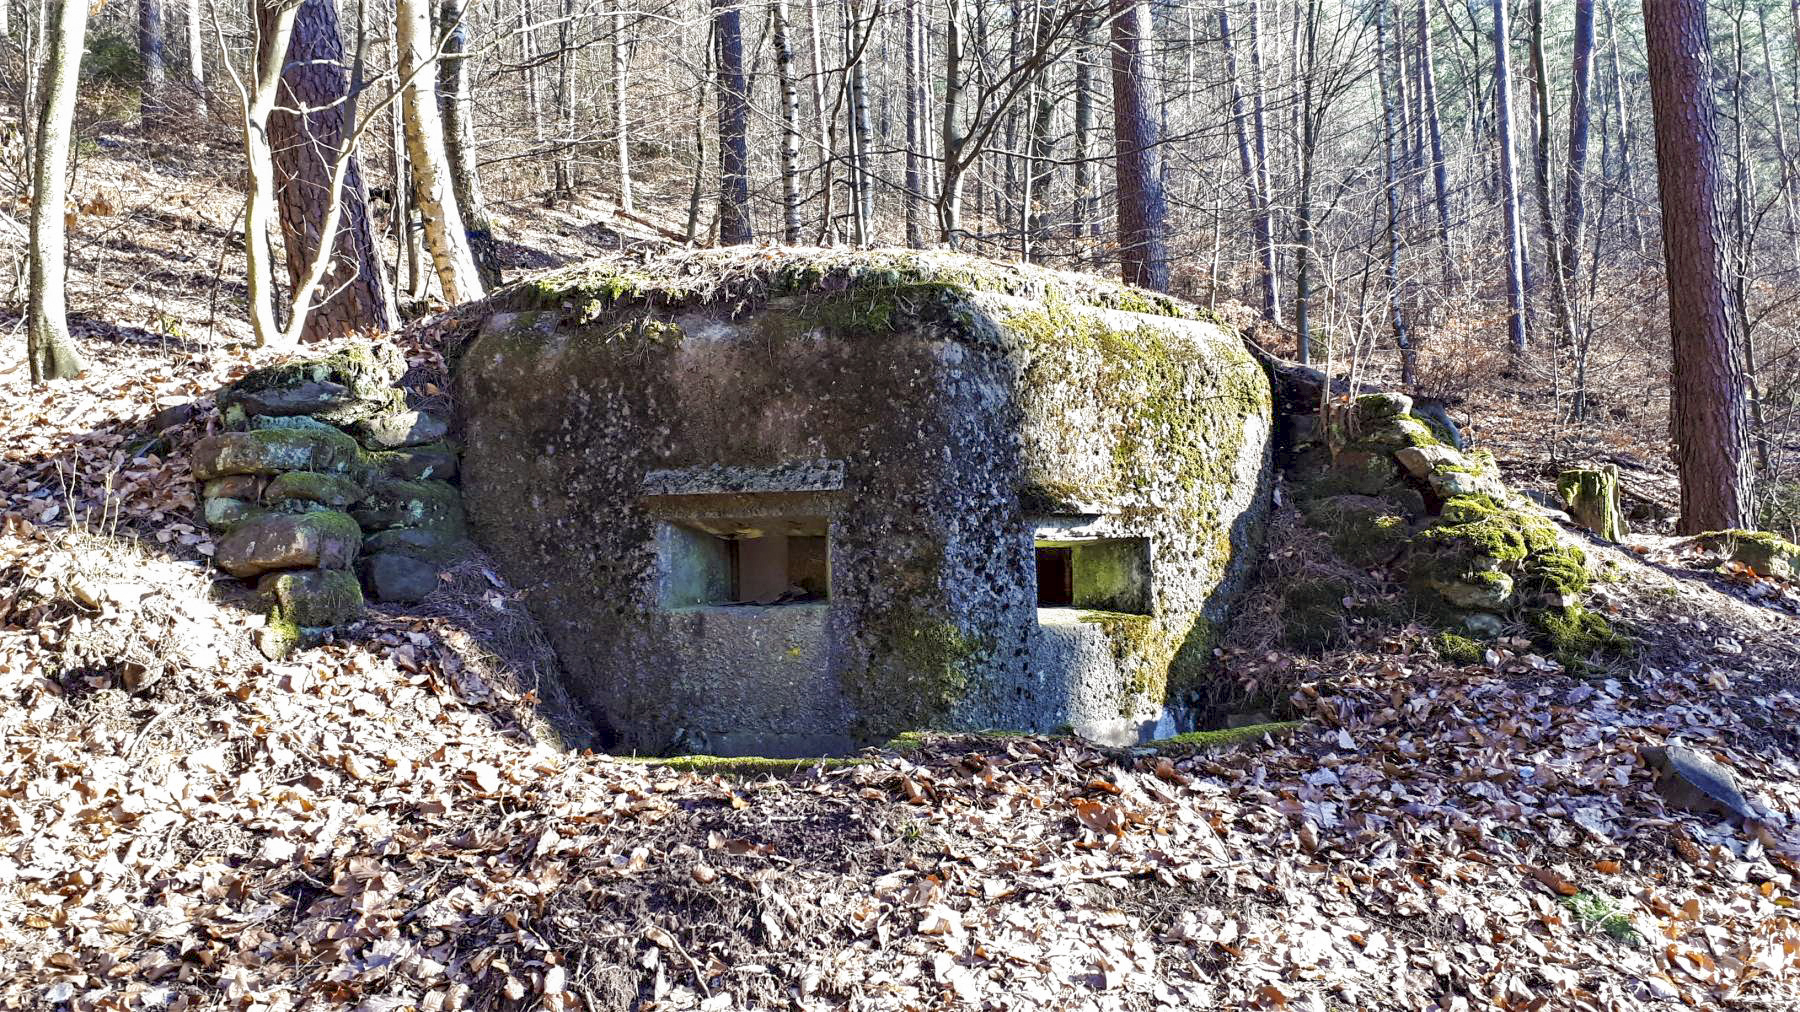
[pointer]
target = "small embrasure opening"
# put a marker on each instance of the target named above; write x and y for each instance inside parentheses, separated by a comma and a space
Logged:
(1105, 574)
(777, 561)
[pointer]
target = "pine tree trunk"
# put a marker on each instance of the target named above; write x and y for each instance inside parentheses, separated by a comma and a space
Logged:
(1137, 161)
(860, 129)
(734, 125)
(305, 149)
(48, 346)
(1707, 404)
(950, 188)
(1581, 75)
(1509, 182)
(432, 187)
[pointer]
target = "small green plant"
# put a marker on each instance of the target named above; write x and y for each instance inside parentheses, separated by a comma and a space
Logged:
(1596, 910)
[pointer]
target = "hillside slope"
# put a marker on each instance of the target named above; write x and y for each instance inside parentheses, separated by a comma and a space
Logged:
(388, 821)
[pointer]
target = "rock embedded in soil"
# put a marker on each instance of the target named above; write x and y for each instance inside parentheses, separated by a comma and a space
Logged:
(416, 463)
(394, 502)
(396, 577)
(1767, 554)
(322, 540)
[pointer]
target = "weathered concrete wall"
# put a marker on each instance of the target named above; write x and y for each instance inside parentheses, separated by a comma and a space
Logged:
(931, 414)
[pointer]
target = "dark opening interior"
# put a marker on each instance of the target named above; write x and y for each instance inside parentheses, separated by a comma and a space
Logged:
(1055, 577)
(783, 561)
(779, 569)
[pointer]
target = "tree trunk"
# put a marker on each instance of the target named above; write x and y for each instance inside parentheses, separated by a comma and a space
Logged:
(1393, 148)
(1707, 404)
(196, 56)
(48, 346)
(1440, 173)
(1627, 184)
(151, 61)
(1261, 222)
(734, 125)
(1581, 76)
(1137, 162)
(827, 151)
(952, 139)
(1040, 174)
(431, 177)
(622, 108)
(790, 125)
(915, 127)
(1085, 210)
(269, 57)
(305, 148)
(565, 101)
(1509, 182)
(863, 184)
(456, 102)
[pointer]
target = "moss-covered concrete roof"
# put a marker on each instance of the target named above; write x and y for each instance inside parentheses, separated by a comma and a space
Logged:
(747, 277)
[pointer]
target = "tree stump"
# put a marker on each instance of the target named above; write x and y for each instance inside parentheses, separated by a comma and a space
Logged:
(1592, 496)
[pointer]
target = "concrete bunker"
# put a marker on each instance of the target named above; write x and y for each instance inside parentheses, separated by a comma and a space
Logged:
(789, 502)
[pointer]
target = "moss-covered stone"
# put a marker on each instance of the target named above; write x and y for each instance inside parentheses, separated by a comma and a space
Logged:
(343, 387)
(314, 597)
(335, 490)
(1227, 737)
(1592, 497)
(322, 540)
(1765, 553)
(431, 544)
(393, 502)
(1481, 551)
(1313, 612)
(273, 451)
(1576, 636)
(417, 463)
(222, 512)
(1364, 530)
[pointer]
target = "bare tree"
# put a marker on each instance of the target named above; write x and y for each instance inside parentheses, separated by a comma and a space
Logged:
(456, 102)
(151, 60)
(48, 346)
(1509, 181)
(734, 125)
(1708, 417)
(1137, 162)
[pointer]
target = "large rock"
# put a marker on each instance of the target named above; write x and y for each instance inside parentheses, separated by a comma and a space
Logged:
(923, 437)
(273, 451)
(397, 577)
(313, 597)
(1767, 554)
(345, 387)
(322, 540)
(401, 428)
(334, 490)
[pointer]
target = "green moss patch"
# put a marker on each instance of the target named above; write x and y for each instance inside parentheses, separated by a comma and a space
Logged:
(1457, 648)
(1765, 553)
(1199, 741)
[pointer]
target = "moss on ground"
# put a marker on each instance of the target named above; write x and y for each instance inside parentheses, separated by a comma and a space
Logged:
(1226, 737)
(1576, 635)
(1457, 648)
(738, 766)
(1313, 612)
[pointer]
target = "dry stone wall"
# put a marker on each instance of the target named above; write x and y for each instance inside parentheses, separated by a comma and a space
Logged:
(325, 483)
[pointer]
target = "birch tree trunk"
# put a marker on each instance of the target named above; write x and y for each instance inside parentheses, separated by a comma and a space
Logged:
(1708, 418)
(257, 98)
(622, 109)
(433, 188)
(734, 125)
(456, 102)
(1137, 161)
(1509, 182)
(48, 346)
(196, 56)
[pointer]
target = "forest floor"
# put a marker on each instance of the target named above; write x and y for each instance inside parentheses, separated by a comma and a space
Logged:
(387, 821)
